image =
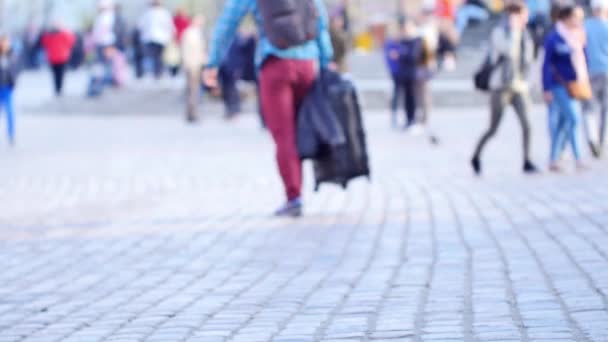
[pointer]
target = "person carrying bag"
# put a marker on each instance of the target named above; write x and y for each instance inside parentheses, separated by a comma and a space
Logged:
(294, 36)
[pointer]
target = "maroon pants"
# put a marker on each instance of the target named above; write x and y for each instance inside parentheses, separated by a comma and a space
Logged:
(283, 85)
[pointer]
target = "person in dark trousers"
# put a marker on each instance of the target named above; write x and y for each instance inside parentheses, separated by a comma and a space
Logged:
(390, 48)
(286, 75)
(138, 53)
(408, 54)
(58, 43)
(238, 65)
(8, 77)
(31, 42)
(512, 50)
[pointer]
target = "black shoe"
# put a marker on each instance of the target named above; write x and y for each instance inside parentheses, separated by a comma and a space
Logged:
(595, 151)
(530, 168)
(476, 164)
(292, 209)
(435, 141)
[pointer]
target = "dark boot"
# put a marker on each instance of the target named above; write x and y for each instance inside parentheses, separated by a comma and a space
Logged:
(530, 168)
(476, 164)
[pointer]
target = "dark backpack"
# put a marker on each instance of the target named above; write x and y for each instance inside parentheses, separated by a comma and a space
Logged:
(482, 77)
(289, 23)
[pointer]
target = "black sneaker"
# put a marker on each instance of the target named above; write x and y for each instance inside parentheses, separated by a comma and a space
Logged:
(530, 168)
(291, 209)
(435, 141)
(595, 151)
(476, 164)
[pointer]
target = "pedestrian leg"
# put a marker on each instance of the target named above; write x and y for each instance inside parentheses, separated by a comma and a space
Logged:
(602, 94)
(520, 104)
(259, 105)
(157, 57)
(193, 92)
(278, 104)
(497, 105)
(230, 93)
(568, 123)
(424, 101)
(6, 103)
(409, 91)
(56, 70)
(397, 93)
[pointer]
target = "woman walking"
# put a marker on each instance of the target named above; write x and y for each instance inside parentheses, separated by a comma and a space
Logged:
(565, 82)
(8, 75)
(511, 51)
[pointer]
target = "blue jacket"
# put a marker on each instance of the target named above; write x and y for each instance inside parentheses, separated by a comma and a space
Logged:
(240, 58)
(393, 64)
(557, 68)
(410, 54)
(234, 12)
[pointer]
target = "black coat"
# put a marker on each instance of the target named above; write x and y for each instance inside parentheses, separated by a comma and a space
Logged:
(9, 70)
(342, 163)
(240, 59)
(331, 131)
(318, 129)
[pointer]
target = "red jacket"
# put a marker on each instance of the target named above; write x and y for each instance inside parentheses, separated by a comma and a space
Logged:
(446, 9)
(181, 23)
(58, 46)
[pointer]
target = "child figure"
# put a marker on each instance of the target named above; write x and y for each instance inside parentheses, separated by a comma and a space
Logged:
(8, 78)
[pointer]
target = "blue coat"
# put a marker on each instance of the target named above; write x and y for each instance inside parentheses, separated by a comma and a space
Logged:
(393, 64)
(558, 68)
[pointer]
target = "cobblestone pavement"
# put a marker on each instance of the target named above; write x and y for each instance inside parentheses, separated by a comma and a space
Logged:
(136, 229)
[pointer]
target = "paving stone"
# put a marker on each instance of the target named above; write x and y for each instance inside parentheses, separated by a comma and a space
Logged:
(133, 229)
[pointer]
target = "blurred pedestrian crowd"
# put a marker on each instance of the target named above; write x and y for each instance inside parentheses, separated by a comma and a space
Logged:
(569, 37)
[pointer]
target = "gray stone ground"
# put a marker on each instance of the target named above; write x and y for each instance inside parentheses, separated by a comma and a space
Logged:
(144, 229)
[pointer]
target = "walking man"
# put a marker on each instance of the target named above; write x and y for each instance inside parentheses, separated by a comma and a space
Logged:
(58, 43)
(157, 31)
(294, 37)
(511, 50)
(597, 52)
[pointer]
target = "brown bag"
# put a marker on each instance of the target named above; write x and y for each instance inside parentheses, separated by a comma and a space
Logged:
(580, 90)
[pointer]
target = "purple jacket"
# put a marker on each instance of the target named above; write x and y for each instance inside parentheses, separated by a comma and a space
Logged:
(393, 65)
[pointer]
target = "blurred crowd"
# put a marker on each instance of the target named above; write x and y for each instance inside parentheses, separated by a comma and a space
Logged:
(566, 40)
(423, 44)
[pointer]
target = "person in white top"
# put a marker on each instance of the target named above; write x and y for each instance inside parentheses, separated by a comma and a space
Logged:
(103, 28)
(194, 58)
(157, 30)
(104, 35)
